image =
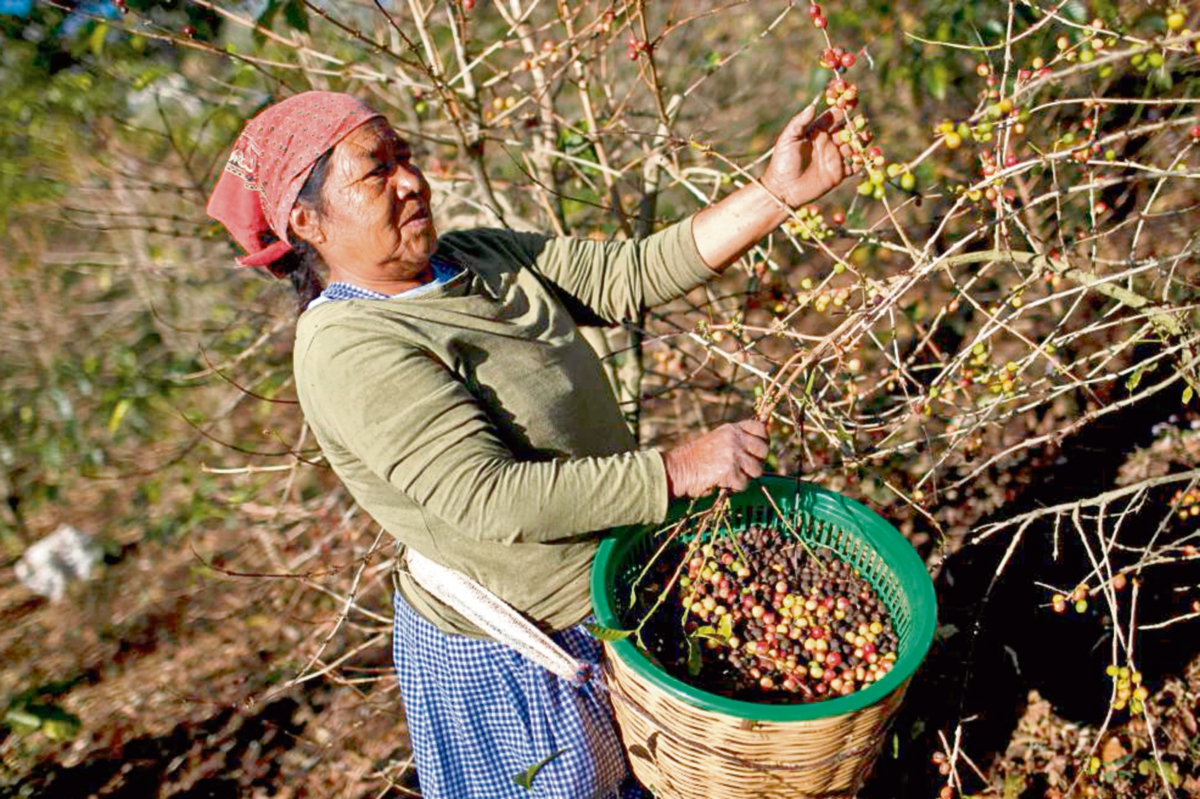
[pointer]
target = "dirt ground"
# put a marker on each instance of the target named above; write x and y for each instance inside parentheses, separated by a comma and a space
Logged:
(179, 678)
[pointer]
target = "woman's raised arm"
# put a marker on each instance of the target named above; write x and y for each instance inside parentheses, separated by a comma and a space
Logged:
(806, 164)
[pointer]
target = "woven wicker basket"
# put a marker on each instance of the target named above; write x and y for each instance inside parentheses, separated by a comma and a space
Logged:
(684, 743)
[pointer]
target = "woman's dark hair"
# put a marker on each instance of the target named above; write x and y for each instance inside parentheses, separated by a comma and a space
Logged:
(302, 264)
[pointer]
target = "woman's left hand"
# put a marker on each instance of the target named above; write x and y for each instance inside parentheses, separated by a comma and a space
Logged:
(807, 162)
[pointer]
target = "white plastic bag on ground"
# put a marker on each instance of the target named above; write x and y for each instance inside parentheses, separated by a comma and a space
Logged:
(49, 565)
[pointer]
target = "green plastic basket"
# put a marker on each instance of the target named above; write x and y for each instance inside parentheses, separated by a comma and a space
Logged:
(823, 518)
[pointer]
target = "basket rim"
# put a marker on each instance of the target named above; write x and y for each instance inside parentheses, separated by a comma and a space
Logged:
(887, 541)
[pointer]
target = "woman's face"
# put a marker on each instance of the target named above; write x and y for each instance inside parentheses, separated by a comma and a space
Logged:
(376, 228)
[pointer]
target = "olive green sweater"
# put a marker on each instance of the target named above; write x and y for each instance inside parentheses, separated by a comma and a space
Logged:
(476, 425)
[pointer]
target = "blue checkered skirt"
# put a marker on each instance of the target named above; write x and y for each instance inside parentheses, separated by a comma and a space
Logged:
(479, 714)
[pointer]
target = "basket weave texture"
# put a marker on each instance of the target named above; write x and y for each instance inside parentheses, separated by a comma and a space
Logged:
(684, 743)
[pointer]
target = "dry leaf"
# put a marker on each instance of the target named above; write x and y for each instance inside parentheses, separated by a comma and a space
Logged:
(1112, 750)
(1189, 720)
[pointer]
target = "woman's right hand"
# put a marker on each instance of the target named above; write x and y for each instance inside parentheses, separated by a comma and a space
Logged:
(728, 457)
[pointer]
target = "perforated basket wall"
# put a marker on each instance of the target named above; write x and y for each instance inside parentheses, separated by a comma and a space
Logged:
(684, 743)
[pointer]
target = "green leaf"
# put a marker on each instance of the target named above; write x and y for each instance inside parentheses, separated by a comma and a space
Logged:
(602, 633)
(1135, 378)
(808, 384)
(22, 720)
(569, 141)
(525, 778)
(725, 627)
(56, 723)
(267, 18)
(937, 79)
(693, 657)
(1014, 786)
(1187, 395)
(296, 15)
(61, 729)
(96, 40)
(118, 414)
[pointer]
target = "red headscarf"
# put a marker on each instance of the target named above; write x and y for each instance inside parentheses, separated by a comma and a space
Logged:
(269, 163)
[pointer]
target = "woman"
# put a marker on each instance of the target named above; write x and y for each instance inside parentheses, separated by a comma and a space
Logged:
(450, 390)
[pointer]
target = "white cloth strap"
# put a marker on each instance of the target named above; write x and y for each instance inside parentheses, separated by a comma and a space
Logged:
(495, 617)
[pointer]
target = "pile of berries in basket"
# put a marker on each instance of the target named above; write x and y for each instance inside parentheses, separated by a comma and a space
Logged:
(761, 617)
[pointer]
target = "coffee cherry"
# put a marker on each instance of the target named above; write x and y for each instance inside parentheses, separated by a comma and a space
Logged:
(814, 11)
(468, 5)
(1175, 20)
(793, 625)
(188, 31)
(847, 60)
(820, 22)
(1195, 132)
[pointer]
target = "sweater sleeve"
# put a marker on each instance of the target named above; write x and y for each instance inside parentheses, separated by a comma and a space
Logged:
(618, 279)
(599, 281)
(414, 424)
